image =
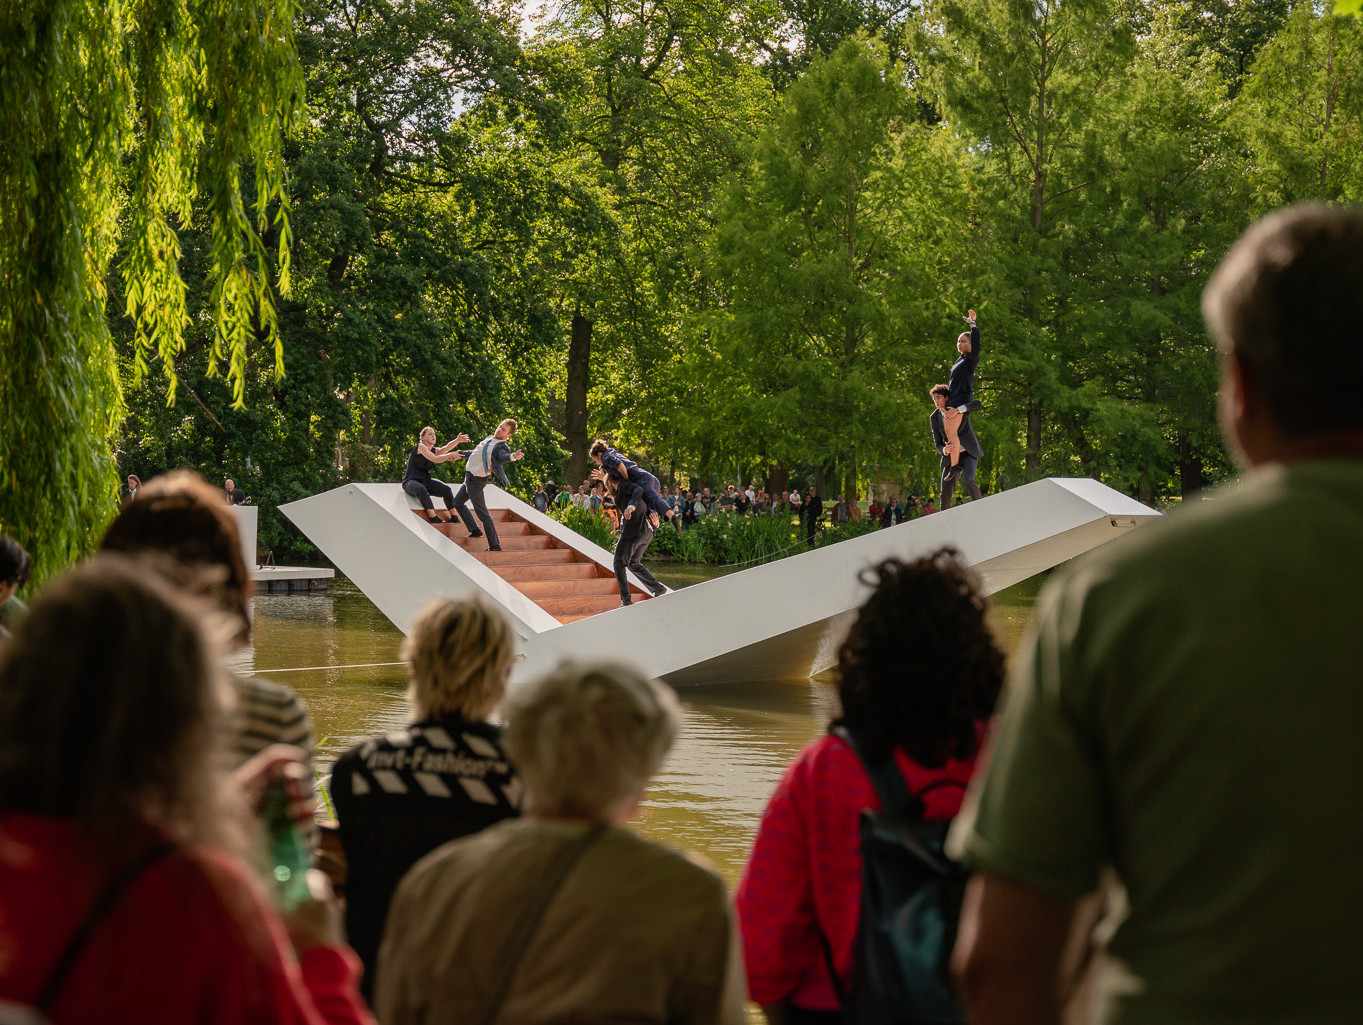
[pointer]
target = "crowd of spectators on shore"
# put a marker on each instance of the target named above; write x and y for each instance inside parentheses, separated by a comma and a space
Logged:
(690, 507)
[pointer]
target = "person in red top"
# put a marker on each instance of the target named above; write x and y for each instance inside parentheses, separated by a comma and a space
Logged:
(112, 731)
(919, 674)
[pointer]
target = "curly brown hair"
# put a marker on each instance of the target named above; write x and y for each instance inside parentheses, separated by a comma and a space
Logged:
(920, 668)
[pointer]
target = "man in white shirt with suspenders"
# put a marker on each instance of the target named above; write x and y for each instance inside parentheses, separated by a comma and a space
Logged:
(489, 456)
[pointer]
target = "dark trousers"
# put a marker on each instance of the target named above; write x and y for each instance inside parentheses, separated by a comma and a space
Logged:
(473, 488)
(649, 484)
(422, 490)
(967, 477)
(629, 558)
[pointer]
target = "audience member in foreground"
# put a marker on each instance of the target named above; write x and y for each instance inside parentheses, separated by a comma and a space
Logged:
(1187, 710)
(400, 796)
(110, 767)
(181, 517)
(918, 677)
(15, 565)
(565, 915)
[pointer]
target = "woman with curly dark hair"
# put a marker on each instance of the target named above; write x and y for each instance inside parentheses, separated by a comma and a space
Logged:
(801, 889)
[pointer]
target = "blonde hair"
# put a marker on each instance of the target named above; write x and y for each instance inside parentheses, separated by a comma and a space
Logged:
(460, 652)
(587, 737)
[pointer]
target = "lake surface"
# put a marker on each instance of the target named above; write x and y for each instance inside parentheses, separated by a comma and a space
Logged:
(736, 738)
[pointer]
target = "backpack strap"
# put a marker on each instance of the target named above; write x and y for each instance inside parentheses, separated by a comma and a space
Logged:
(529, 923)
(104, 903)
(886, 778)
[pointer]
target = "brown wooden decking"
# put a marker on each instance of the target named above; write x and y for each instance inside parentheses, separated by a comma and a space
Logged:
(565, 584)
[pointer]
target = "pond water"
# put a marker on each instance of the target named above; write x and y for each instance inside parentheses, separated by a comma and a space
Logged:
(339, 652)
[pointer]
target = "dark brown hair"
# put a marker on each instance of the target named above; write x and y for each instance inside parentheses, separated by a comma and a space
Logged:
(1287, 299)
(919, 668)
(940, 389)
(111, 709)
(183, 517)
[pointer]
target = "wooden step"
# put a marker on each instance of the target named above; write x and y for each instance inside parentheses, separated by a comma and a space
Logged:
(509, 544)
(542, 557)
(538, 589)
(568, 571)
(585, 604)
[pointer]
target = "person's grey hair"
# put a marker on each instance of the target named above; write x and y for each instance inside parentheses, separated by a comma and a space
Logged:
(460, 653)
(1287, 300)
(586, 738)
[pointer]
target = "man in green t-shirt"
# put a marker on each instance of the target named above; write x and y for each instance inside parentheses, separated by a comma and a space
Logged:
(1188, 712)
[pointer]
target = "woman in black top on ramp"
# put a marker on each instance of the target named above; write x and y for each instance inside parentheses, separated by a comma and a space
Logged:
(418, 481)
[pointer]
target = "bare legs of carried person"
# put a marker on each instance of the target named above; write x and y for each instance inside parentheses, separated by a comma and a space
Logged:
(951, 423)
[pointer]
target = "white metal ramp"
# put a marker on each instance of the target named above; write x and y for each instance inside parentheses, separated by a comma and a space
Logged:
(781, 620)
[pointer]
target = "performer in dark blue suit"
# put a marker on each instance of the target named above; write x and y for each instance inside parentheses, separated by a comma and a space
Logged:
(616, 465)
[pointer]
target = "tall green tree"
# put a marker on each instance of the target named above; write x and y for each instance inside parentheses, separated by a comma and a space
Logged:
(1302, 110)
(115, 118)
(838, 249)
(1024, 82)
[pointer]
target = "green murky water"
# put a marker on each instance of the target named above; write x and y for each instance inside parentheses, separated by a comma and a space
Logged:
(736, 738)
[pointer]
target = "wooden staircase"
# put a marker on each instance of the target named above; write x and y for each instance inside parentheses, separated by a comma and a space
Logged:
(563, 583)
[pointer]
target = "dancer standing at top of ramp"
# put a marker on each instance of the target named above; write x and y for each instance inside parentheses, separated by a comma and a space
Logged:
(489, 456)
(419, 483)
(613, 462)
(962, 388)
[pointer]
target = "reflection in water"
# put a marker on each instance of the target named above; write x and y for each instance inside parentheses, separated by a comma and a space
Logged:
(735, 742)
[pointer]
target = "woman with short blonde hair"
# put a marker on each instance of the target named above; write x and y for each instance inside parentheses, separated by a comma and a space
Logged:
(459, 654)
(401, 795)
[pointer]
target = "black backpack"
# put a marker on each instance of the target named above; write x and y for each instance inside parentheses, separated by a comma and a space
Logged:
(911, 895)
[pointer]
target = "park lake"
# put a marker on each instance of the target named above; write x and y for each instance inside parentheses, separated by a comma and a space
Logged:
(340, 653)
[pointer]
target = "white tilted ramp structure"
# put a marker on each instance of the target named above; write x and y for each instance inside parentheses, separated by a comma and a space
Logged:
(781, 620)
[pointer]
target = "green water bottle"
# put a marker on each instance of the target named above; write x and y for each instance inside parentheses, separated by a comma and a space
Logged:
(286, 848)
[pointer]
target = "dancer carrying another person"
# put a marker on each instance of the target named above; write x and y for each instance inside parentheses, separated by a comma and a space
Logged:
(971, 452)
(419, 483)
(612, 462)
(961, 390)
(636, 534)
(489, 456)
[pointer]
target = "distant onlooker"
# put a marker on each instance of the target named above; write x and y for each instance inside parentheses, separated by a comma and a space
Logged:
(689, 510)
(130, 489)
(15, 565)
(874, 510)
(235, 496)
(840, 510)
(564, 915)
(544, 497)
(796, 502)
(180, 516)
(113, 789)
(400, 796)
(813, 514)
(728, 499)
(887, 514)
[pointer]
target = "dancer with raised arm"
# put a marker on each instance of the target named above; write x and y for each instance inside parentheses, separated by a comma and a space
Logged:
(961, 389)
(489, 456)
(419, 483)
(612, 462)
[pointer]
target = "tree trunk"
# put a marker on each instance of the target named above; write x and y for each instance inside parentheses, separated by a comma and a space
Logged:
(1033, 458)
(780, 480)
(1189, 468)
(575, 402)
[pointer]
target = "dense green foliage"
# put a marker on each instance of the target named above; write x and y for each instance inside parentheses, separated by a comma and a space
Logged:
(123, 121)
(739, 237)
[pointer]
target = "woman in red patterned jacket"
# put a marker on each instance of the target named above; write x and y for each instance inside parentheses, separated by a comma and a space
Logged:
(919, 674)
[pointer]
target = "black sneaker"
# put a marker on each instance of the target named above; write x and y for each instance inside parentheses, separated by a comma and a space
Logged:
(494, 548)
(475, 533)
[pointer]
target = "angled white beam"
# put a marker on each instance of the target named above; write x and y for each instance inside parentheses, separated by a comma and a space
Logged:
(781, 620)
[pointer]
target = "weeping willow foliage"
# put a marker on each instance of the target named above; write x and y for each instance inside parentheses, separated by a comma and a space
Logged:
(117, 117)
